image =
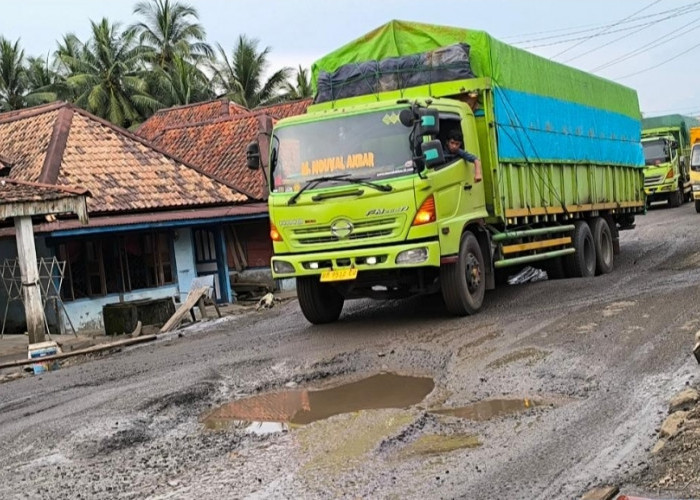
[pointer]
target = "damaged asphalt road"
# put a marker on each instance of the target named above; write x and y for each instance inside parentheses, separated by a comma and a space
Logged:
(593, 362)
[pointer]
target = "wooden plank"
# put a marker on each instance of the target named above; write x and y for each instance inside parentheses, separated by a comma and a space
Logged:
(87, 350)
(239, 247)
(191, 300)
(535, 245)
(33, 305)
(202, 308)
(230, 243)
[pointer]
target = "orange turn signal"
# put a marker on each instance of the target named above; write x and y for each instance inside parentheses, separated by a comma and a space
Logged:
(274, 233)
(426, 212)
(670, 174)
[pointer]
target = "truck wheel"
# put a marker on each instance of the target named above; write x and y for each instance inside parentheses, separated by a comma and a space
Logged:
(697, 206)
(463, 283)
(675, 199)
(602, 240)
(555, 268)
(320, 302)
(581, 264)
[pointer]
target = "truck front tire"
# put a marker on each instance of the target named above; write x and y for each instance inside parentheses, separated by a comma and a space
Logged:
(463, 283)
(320, 302)
(602, 240)
(581, 264)
(697, 206)
(675, 199)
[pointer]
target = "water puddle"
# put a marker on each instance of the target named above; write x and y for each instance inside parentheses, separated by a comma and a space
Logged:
(302, 407)
(492, 408)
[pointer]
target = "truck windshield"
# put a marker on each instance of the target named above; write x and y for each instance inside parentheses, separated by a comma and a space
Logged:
(695, 158)
(371, 146)
(655, 152)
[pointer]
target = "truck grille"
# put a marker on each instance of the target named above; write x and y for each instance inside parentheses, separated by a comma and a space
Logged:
(652, 181)
(364, 231)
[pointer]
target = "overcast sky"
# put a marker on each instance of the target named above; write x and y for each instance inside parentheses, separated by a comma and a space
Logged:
(657, 38)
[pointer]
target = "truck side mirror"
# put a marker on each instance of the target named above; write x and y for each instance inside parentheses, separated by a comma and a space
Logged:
(429, 123)
(252, 155)
(407, 118)
(432, 152)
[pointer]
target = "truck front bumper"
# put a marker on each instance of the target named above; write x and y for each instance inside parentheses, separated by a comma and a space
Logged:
(660, 189)
(696, 191)
(404, 256)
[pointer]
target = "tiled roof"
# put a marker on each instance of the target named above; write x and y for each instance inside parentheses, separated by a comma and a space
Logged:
(286, 109)
(63, 145)
(13, 191)
(217, 144)
(191, 113)
(218, 148)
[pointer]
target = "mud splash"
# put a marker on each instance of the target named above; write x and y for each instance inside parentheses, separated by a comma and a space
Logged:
(302, 407)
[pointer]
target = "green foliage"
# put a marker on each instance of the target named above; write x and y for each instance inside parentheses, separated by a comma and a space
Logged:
(161, 60)
(241, 77)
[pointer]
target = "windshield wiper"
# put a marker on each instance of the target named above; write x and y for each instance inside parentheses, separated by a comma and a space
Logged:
(342, 177)
(313, 183)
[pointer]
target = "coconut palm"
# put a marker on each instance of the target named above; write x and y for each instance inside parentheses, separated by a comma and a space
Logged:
(43, 81)
(300, 86)
(13, 76)
(182, 83)
(169, 30)
(241, 77)
(106, 74)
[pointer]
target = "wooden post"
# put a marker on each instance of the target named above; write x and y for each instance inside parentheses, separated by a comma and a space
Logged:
(26, 252)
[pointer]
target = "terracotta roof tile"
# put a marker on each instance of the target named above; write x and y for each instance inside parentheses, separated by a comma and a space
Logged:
(12, 191)
(285, 109)
(122, 171)
(217, 145)
(219, 149)
(191, 113)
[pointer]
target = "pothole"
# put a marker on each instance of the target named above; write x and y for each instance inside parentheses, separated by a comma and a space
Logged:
(492, 408)
(434, 444)
(301, 407)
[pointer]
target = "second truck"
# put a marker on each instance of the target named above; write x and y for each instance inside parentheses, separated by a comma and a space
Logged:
(666, 142)
(365, 202)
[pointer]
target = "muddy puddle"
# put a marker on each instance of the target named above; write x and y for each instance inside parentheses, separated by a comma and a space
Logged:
(492, 408)
(300, 407)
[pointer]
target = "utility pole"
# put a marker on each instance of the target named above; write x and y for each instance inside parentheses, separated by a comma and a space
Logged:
(26, 253)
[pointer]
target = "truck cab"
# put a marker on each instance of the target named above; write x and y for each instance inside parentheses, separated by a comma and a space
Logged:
(695, 174)
(666, 173)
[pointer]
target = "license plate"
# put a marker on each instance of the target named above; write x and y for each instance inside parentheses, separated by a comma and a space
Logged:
(339, 275)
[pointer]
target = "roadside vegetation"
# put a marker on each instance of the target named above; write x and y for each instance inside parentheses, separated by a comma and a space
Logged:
(126, 73)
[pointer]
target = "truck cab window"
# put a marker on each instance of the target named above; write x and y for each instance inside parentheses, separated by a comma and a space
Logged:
(449, 124)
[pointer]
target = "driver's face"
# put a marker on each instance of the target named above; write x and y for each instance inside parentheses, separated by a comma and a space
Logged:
(453, 145)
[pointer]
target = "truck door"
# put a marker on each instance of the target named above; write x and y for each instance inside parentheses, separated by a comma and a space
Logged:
(456, 193)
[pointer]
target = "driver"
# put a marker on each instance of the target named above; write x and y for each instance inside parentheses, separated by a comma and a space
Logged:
(454, 148)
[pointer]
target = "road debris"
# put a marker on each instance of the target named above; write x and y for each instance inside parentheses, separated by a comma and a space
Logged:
(527, 275)
(267, 301)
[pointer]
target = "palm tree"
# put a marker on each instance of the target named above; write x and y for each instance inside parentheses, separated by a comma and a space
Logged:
(169, 30)
(182, 83)
(42, 81)
(13, 76)
(106, 74)
(241, 77)
(300, 88)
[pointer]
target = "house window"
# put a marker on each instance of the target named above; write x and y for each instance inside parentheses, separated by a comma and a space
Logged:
(103, 266)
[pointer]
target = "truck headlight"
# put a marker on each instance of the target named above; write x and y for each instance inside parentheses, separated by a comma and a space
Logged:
(282, 267)
(696, 187)
(412, 256)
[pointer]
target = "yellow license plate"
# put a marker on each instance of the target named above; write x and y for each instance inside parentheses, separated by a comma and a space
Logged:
(339, 275)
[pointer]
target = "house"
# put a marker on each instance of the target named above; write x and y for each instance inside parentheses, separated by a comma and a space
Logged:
(213, 136)
(155, 221)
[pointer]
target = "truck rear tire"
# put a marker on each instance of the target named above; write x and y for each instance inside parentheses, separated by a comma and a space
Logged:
(320, 302)
(697, 206)
(602, 239)
(581, 264)
(463, 283)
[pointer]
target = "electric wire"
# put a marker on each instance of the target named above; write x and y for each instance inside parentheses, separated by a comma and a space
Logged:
(602, 32)
(663, 39)
(660, 64)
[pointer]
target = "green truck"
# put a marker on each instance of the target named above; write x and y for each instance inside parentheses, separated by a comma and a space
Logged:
(666, 142)
(365, 201)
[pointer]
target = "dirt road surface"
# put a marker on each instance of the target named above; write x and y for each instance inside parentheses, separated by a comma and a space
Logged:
(583, 369)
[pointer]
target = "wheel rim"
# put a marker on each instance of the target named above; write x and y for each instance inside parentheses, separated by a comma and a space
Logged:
(473, 273)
